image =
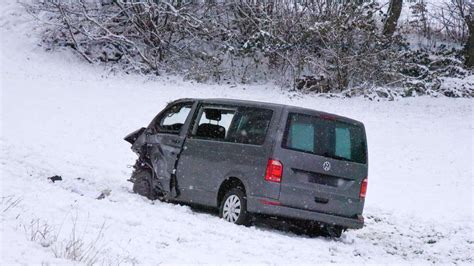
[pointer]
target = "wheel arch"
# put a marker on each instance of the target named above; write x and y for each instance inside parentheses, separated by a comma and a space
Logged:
(227, 184)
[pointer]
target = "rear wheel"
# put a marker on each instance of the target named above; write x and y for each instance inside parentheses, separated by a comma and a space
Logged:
(333, 231)
(234, 207)
(315, 229)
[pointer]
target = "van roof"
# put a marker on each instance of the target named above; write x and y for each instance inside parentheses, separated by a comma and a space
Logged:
(291, 108)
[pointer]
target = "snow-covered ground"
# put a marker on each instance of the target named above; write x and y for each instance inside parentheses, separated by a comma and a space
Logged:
(60, 116)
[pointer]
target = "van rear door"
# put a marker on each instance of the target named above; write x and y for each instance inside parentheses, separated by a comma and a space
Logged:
(324, 161)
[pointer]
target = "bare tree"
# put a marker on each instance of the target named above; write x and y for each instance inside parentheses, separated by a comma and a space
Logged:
(468, 16)
(457, 20)
(469, 46)
(394, 11)
(419, 12)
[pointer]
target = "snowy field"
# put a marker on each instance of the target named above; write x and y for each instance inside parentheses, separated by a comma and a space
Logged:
(60, 116)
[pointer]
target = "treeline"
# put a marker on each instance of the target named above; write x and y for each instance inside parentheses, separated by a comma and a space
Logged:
(319, 45)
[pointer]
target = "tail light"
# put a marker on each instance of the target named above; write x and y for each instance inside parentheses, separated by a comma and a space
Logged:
(274, 171)
(363, 188)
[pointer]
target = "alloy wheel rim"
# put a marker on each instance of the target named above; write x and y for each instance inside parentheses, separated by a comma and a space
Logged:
(231, 209)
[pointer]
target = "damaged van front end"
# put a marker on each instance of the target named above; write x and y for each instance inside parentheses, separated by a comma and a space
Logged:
(158, 147)
(143, 177)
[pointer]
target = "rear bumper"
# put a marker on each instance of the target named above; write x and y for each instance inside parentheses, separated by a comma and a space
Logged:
(266, 206)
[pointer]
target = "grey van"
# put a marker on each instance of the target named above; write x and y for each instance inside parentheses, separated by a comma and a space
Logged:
(248, 158)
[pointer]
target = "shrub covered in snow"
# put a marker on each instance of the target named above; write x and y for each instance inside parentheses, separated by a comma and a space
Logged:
(312, 46)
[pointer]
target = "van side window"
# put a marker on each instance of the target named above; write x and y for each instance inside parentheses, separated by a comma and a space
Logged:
(172, 120)
(214, 123)
(239, 125)
(250, 126)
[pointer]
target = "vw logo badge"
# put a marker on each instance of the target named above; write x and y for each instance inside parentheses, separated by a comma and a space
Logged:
(327, 166)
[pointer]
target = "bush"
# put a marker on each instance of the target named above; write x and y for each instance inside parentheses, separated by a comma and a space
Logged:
(322, 46)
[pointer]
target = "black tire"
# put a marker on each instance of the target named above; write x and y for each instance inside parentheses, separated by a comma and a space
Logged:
(142, 183)
(333, 231)
(243, 217)
(315, 230)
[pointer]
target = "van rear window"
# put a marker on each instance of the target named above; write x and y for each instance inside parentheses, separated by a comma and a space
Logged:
(329, 138)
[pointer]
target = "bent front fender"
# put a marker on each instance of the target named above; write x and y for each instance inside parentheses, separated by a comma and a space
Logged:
(138, 140)
(132, 137)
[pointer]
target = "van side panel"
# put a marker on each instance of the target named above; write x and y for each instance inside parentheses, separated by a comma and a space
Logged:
(205, 164)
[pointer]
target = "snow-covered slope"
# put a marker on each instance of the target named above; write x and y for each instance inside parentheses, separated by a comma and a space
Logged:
(60, 116)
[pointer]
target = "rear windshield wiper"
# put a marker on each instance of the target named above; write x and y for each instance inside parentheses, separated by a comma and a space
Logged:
(326, 154)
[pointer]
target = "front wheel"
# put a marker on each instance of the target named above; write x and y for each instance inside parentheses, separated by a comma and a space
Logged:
(142, 183)
(234, 207)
